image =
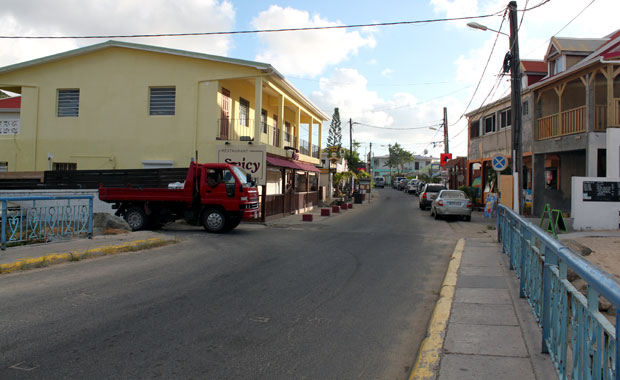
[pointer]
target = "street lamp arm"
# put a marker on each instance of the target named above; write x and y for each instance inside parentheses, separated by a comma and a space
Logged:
(475, 25)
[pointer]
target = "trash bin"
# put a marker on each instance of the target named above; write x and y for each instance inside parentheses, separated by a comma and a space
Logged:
(359, 198)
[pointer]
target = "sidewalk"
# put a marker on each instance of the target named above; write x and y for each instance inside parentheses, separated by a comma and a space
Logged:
(40, 255)
(488, 332)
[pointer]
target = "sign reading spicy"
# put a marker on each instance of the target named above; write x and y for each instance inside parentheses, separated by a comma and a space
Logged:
(248, 166)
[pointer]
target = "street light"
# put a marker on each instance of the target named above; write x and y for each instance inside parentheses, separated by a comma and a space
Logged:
(515, 103)
(475, 25)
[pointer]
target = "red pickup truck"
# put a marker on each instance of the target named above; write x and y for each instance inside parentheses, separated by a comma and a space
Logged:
(218, 196)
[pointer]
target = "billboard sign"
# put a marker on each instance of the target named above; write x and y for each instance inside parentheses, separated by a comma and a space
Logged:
(251, 158)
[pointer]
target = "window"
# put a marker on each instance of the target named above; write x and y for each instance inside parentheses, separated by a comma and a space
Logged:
(489, 124)
(244, 112)
(68, 103)
(558, 65)
(64, 166)
(263, 120)
(417, 165)
(526, 107)
(505, 118)
(162, 101)
(4, 166)
(474, 129)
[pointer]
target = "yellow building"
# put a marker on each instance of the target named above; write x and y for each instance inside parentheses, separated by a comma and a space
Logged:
(119, 105)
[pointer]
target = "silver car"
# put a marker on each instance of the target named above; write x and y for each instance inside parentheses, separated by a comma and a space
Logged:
(451, 203)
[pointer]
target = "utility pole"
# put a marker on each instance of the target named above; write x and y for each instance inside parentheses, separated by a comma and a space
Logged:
(390, 160)
(370, 161)
(351, 151)
(515, 76)
(350, 141)
(445, 130)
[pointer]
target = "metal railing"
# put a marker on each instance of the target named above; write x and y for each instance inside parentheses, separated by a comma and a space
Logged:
(571, 322)
(304, 147)
(44, 218)
(235, 129)
(315, 151)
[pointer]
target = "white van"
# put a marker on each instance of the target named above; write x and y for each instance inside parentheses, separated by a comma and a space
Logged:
(379, 182)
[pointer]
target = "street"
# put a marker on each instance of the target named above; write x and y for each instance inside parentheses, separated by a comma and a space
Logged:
(349, 298)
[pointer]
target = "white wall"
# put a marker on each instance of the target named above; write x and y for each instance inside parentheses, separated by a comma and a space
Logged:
(593, 215)
(98, 206)
(613, 152)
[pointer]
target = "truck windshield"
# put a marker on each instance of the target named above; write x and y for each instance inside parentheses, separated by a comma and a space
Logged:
(240, 174)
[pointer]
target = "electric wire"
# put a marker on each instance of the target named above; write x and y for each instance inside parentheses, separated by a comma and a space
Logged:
(256, 31)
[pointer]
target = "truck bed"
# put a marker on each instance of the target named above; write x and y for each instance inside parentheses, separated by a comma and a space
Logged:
(123, 194)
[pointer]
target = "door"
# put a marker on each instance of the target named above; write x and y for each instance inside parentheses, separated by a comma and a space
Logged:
(225, 118)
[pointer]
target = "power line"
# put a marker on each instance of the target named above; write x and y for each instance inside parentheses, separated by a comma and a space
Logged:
(397, 129)
(561, 29)
(255, 31)
(483, 71)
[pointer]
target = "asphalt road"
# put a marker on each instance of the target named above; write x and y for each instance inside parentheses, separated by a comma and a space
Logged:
(349, 298)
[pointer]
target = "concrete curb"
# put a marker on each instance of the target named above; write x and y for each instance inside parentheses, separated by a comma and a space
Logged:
(56, 258)
(427, 362)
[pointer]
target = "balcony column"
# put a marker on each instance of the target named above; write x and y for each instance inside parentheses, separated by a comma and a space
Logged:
(320, 126)
(258, 106)
(559, 91)
(591, 152)
(296, 127)
(281, 122)
(611, 109)
(310, 136)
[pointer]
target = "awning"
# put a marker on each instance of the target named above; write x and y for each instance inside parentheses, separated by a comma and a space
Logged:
(277, 161)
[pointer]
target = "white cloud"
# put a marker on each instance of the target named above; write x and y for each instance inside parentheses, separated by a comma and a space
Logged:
(387, 73)
(347, 89)
(307, 52)
(68, 17)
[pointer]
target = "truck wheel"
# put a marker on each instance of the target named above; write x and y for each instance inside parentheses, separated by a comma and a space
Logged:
(136, 218)
(214, 221)
(232, 224)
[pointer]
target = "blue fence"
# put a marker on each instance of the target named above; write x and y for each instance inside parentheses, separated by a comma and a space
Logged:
(580, 340)
(44, 218)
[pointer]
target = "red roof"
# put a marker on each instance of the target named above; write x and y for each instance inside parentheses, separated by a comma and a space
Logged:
(277, 161)
(11, 103)
(534, 66)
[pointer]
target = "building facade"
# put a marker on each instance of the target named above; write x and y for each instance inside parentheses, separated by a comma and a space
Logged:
(565, 114)
(119, 105)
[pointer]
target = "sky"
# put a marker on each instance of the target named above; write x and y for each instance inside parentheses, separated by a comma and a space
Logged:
(392, 82)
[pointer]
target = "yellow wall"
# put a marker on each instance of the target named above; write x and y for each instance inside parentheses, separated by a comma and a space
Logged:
(114, 128)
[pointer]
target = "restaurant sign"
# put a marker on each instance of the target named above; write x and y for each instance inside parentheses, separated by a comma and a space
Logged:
(250, 158)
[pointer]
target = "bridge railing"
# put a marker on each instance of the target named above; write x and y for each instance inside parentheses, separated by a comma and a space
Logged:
(44, 218)
(580, 340)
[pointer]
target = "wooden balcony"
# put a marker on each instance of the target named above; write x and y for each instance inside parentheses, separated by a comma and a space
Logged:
(573, 121)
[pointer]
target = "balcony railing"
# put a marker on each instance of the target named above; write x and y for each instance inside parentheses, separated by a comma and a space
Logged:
(235, 129)
(304, 147)
(600, 118)
(315, 151)
(573, 121)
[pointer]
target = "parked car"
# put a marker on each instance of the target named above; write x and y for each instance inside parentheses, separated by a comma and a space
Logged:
(451, 203)
(379, 182)
(429, 193)
(412, 186)
(396, 181)
(420, 187)
(402, 184)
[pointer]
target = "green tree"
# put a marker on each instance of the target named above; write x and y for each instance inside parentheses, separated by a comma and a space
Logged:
(399, 158)
(335, 131)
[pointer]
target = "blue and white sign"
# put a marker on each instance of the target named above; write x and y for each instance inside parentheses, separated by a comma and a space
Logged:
(499, 162)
